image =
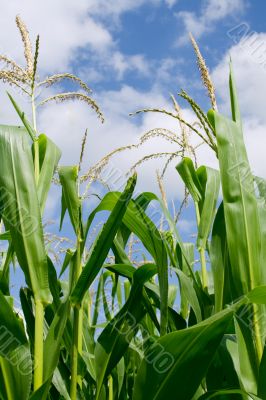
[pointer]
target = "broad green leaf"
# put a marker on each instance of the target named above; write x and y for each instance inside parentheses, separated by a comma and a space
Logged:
(241, 213)
(240, 205)
(21, 214)
(16, 369)
(176, 364)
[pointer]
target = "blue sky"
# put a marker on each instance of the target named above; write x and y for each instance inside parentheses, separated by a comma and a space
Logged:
(133, 54)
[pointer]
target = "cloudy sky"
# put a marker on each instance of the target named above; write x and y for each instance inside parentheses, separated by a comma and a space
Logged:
(133, 53)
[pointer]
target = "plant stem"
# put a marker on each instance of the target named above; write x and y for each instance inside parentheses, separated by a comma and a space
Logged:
(204, 272)
(36, 144)
(39, 308)
(110, 386)
(38, 344)
(77, 329)
(74, 357)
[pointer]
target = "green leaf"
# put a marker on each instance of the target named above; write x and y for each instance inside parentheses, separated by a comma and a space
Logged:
(210, 182)
(246, 367)
(142, 226)
(103, 243)
(15, 359)
(257, 295)
(116, 337)
(42, 392)
(5, 235)
(188, 174)
(236, 117)
(240, 205)
(175, 365)
(220, 262)
(189, 292)
(261, 379)
(23, 118)
(16, 369)
(261, 184)
(21, 212)
(49, 155)
(70, 199)
(52, 343)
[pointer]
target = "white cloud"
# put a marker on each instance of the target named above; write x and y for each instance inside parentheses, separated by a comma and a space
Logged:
(211, 12)
(171, 3)
(105, 8)
(64, 26)
(123, 63)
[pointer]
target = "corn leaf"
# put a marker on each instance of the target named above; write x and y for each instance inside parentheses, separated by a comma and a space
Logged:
(240, 204)
(21, 213)
(15, 357)
(144, 228)
(116, 337)
(49, 155)
(176, 364)
(70, 200)
(220, 262)
(52, 343)
(103, 243)
(210, 182)
(189, 176)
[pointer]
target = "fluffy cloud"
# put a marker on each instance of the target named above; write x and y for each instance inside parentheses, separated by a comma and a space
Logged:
(211, 12)
(66, 28)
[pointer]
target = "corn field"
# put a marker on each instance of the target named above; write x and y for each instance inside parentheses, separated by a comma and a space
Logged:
(201, 338)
